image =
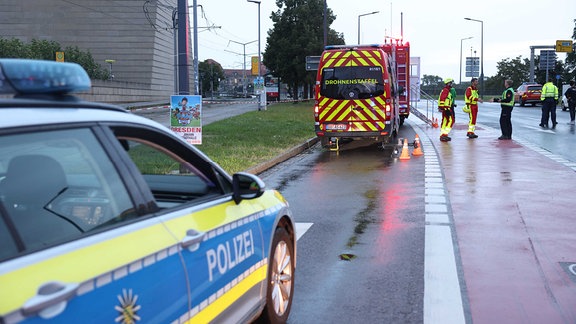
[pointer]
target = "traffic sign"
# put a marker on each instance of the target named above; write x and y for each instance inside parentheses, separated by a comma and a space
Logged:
(473, 61)
(312, 63)
(254, 62)
(564, 46)
(547, 59)
(472, 67)
(59, 56)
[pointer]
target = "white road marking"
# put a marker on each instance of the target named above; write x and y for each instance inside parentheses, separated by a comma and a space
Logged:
(301, 228)
(442, 292)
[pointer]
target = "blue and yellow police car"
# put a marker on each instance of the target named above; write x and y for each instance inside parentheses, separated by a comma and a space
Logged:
(108, 217)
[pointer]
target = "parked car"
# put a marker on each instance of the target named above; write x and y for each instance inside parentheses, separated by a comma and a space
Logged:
(109, 217)
(528, 93)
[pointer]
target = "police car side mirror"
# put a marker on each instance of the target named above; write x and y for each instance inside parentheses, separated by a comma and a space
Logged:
(246, 186)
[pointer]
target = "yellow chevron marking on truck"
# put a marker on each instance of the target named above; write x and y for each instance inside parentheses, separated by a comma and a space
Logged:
(353, 58)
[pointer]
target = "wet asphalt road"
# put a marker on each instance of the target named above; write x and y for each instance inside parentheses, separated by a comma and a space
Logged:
(364, 203)
(460, 235)
(367, 205)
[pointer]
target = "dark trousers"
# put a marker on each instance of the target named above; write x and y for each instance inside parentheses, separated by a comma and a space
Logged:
(506, 121)
(548, 111)
(572, 108)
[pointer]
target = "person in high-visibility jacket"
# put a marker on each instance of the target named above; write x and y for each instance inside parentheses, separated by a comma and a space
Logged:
(506, 106)
(471, 99)
(549, 98)
(445, 105)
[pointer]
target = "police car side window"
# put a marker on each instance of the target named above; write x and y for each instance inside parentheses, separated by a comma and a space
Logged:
(59, 185)
(8, 246)
(172, 179)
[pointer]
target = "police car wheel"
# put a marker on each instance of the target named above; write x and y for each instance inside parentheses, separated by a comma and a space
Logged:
(280, 279)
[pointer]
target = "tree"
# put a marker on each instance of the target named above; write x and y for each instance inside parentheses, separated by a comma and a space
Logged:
(211, 73)
(85, 59)
(570, 67)
(431, 80)
(298, 32)
(517, 70)
(431, 84)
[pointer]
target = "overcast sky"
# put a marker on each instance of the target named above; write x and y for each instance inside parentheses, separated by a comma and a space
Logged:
(435, 29)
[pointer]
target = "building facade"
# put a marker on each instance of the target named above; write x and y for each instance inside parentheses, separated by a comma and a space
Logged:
(135, 39)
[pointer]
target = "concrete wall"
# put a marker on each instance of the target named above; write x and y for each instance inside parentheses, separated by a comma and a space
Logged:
(122, 93)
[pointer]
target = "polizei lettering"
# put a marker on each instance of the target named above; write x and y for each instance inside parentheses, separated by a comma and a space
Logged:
(229, 254)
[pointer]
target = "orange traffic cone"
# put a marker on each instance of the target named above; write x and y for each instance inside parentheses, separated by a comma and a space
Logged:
(417, 147)
(434, 122)
(405, 155)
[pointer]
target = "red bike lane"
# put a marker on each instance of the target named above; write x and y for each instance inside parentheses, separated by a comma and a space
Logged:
(515, 226)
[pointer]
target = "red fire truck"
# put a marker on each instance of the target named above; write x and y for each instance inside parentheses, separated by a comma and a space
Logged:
(400, 57)
(362, 92)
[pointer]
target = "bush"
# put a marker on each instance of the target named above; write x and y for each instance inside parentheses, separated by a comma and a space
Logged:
(46, 50)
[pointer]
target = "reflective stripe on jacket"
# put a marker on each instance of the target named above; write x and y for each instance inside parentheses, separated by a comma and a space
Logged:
(507, 103)
(471, 96)
(549, 90)
(445, 100)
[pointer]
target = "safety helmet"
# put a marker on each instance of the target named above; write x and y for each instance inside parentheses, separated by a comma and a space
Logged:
(448, 80)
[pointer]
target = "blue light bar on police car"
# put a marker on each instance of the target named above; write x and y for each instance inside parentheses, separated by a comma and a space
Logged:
(22, 77)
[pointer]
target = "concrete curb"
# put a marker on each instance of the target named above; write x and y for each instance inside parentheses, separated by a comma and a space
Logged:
(283, 157)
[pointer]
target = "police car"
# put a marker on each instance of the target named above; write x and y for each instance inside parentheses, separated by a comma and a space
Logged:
(108, 217)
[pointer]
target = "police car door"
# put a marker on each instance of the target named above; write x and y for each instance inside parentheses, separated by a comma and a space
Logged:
(220, 241)
(76, 243)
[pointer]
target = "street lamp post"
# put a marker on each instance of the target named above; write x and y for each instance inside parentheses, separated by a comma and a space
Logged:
(481, 55)
(461, 40)
(244, 68)
(366, 14)
(260, 97)
(325, 24)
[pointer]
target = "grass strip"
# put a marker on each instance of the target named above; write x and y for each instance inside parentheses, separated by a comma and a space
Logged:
(241, 142)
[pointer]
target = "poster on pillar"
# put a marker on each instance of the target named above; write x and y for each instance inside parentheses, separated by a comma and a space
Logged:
(186, 117)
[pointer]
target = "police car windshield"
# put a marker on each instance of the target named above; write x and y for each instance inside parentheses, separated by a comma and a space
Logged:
(352, 82)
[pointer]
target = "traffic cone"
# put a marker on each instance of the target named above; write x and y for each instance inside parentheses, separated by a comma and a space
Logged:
(434, 122)
(417, 147)
(405, 154)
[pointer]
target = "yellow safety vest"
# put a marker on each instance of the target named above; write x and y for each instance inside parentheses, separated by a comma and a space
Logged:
(473, 100)
(447, 102)
(511, 103)
(549, 90)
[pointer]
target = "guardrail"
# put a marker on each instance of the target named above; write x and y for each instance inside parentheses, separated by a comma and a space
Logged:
(425, 107)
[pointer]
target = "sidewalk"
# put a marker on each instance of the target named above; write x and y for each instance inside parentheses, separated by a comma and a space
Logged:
(512, 208)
